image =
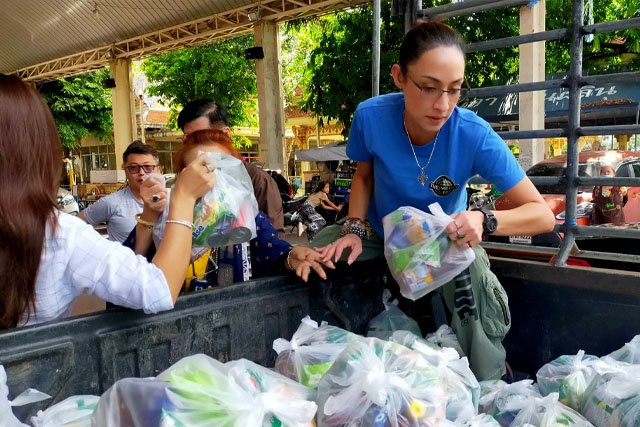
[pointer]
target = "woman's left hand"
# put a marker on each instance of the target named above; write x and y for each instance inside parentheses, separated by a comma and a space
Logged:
(304, 259)
(466, 228)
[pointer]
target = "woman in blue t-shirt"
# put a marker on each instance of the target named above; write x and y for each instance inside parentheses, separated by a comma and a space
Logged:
(420, 148)
(416, 147)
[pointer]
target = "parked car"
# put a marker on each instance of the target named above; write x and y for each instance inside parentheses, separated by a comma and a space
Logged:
(66, 202)
(625, 163)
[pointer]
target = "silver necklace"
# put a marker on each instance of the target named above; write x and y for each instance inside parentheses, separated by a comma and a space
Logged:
(422, 176)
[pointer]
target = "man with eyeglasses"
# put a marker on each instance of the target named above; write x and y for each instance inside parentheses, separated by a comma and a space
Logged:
(119, 209)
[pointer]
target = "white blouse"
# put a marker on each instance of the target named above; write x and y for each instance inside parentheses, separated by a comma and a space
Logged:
(77, 259)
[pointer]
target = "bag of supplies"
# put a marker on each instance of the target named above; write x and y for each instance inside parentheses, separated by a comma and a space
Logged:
(420, 254)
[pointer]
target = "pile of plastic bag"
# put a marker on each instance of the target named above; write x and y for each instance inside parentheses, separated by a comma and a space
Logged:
(326, 376)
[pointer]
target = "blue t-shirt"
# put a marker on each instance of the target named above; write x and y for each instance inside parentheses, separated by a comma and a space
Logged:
(118, 210)
(466, 146)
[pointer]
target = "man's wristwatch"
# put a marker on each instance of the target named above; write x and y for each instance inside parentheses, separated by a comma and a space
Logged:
(490, 223)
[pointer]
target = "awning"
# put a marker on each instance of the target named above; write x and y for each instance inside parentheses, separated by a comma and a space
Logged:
(323, 154)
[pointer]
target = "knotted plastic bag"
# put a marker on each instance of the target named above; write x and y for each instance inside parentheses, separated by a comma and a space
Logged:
(445, 337)
(569, 376)
(545, 412)
(205, 392)
(613, 398)
(75, 411)
(503, 401)
(311, 351)
(7, 419)
(226, 214)
(629, 353)
(420, 254)
(391, 319)
(380, 383)
(461, 386)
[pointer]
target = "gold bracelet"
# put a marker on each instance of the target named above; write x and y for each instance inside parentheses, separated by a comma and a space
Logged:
(289, 266)
(146, 223)
(187, 224)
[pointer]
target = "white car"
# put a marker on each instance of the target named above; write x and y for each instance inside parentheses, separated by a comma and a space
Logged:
(66, 202)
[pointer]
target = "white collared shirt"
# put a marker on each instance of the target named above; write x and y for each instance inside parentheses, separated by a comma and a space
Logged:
(76, 260)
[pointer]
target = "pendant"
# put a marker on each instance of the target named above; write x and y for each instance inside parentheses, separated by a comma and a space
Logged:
(422, 178)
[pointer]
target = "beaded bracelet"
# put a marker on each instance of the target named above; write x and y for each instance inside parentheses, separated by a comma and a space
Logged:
(146, 223)
(354, 226)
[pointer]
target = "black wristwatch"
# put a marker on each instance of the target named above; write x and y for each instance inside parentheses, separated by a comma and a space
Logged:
(490, 223)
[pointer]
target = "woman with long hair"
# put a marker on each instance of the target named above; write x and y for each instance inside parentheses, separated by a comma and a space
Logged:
(608, 200)
(267, 254)
(47, 257)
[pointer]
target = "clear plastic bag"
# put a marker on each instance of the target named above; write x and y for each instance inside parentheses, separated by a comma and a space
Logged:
(7, 419)
(445, 337)
(421, 256)
(311, 351)
(205, 392)
(462, 388)
(381, 383)
(479, 420)
(569, 376)
(75, 411)
(546, 412)
(226, 214)
(629, 353)
(613, 398)
(503, 401)
(391, 319)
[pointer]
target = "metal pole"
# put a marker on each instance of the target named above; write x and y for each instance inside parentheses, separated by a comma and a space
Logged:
(375, 50)
(575, 78)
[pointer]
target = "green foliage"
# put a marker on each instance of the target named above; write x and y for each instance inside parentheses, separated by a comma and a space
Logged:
(80, 107)
(217, 71)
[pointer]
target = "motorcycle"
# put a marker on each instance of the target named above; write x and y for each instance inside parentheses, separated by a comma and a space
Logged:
(292, 208)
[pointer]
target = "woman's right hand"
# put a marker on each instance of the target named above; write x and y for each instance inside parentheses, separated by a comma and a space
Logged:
(195, 180)
(333, 251)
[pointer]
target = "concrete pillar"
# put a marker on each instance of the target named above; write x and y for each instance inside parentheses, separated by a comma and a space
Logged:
(532, 69)
(270, 96)
(124, 127)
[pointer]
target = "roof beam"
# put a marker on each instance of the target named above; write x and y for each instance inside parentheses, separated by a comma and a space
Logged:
(216, 27)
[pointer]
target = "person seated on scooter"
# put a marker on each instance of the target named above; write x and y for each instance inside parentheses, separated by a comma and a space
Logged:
(208, 114)
(265, 255)
(312, 220)
(608, 201)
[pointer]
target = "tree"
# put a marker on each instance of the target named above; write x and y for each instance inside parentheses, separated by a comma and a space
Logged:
(80, 106)
(218, 71)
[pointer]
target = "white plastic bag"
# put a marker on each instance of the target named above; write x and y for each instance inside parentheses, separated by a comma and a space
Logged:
(445, 337)
(546, 412)
(462, 388)
(613, 398)
(380, 383)
(75, 411)
(629, 353)
(569, 376)
(311, 351)
(421, 256)
(226, 214)
(503, 401)
(391, 319)
(7, 419)
(205, 392)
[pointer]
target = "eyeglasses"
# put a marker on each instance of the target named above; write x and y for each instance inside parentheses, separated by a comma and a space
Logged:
(134, 168)
(434, 93)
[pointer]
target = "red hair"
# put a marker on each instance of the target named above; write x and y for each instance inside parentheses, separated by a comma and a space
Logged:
(204, 137)
(30, 169)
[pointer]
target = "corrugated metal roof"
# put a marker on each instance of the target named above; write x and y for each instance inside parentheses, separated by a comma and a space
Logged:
(36, 31)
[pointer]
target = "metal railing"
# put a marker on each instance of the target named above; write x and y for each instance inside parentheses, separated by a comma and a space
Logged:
(573, 82)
